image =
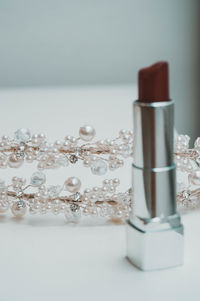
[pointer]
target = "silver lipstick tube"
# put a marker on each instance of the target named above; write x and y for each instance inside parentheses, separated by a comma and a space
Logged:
(154, 229)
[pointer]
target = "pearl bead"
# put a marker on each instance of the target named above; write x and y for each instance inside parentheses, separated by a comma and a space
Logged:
(57, 144)
(122, 133)
(106, 182)
(3, 164)
(66, 144)
(87, 132)
(4, 205)
(35, 141)
(4, 138)
(13, 162)
(195, 178)
(86, 163)
(40, 166)
(19, 208)
(116, 182)
(34, 136)
(29, 158)
(72, 184)
(41, 136)
(87, 191)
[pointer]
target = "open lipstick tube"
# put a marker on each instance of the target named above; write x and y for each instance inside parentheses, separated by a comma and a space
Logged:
(154, 229)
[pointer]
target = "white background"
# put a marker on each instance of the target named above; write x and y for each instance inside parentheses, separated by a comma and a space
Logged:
(43, 257)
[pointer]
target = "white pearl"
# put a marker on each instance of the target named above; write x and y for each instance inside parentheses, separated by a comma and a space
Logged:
(4, 138)
(34, 136)
(13, 162)
(41, 136)
(35, 141)
(99, 167)
(87, 132)
(2, 145)
(101, 142)
(122, 132)
(66, 144)
(86, 163)
(4, 205)
(73, 140)
(3, 164)
(87, 191)
(41, 166)
(72, 184)
(106, 182)
(116, 182)
(57, 144)
(19, 208)
(29, 158)
(195, 178)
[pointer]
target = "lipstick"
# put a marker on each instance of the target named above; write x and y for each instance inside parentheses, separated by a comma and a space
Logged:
(154, 229)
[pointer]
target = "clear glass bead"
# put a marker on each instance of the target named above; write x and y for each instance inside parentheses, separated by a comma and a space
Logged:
(23, 135)
(38, 178)
(99, 167)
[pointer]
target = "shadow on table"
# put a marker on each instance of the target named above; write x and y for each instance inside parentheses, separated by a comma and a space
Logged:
(57, 221)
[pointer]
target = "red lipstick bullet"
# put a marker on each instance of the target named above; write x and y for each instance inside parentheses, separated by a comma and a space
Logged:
(153, 83)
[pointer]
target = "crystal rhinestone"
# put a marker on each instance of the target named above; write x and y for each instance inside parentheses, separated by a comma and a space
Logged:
(54, 191)
(73, 214)
(38, 178)
(76, 196)
(99, 167)
(20, 193)
(73, 159)
(23, 135)
(74, 207)
(19, 154)
(78, 152)
(186, 194)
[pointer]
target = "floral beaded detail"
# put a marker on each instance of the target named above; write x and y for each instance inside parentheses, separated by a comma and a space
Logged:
(100, 156)
(188, 167)
(101, 201)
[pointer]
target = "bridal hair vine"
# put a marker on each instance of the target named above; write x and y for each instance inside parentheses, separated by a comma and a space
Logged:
(99, 156)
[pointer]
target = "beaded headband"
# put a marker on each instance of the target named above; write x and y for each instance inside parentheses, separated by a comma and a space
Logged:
(100, 156)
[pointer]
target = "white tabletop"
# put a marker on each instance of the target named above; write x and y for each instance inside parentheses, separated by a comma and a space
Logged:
(43, 257)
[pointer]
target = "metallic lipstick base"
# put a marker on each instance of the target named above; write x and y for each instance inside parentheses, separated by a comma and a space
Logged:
(158, 245)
